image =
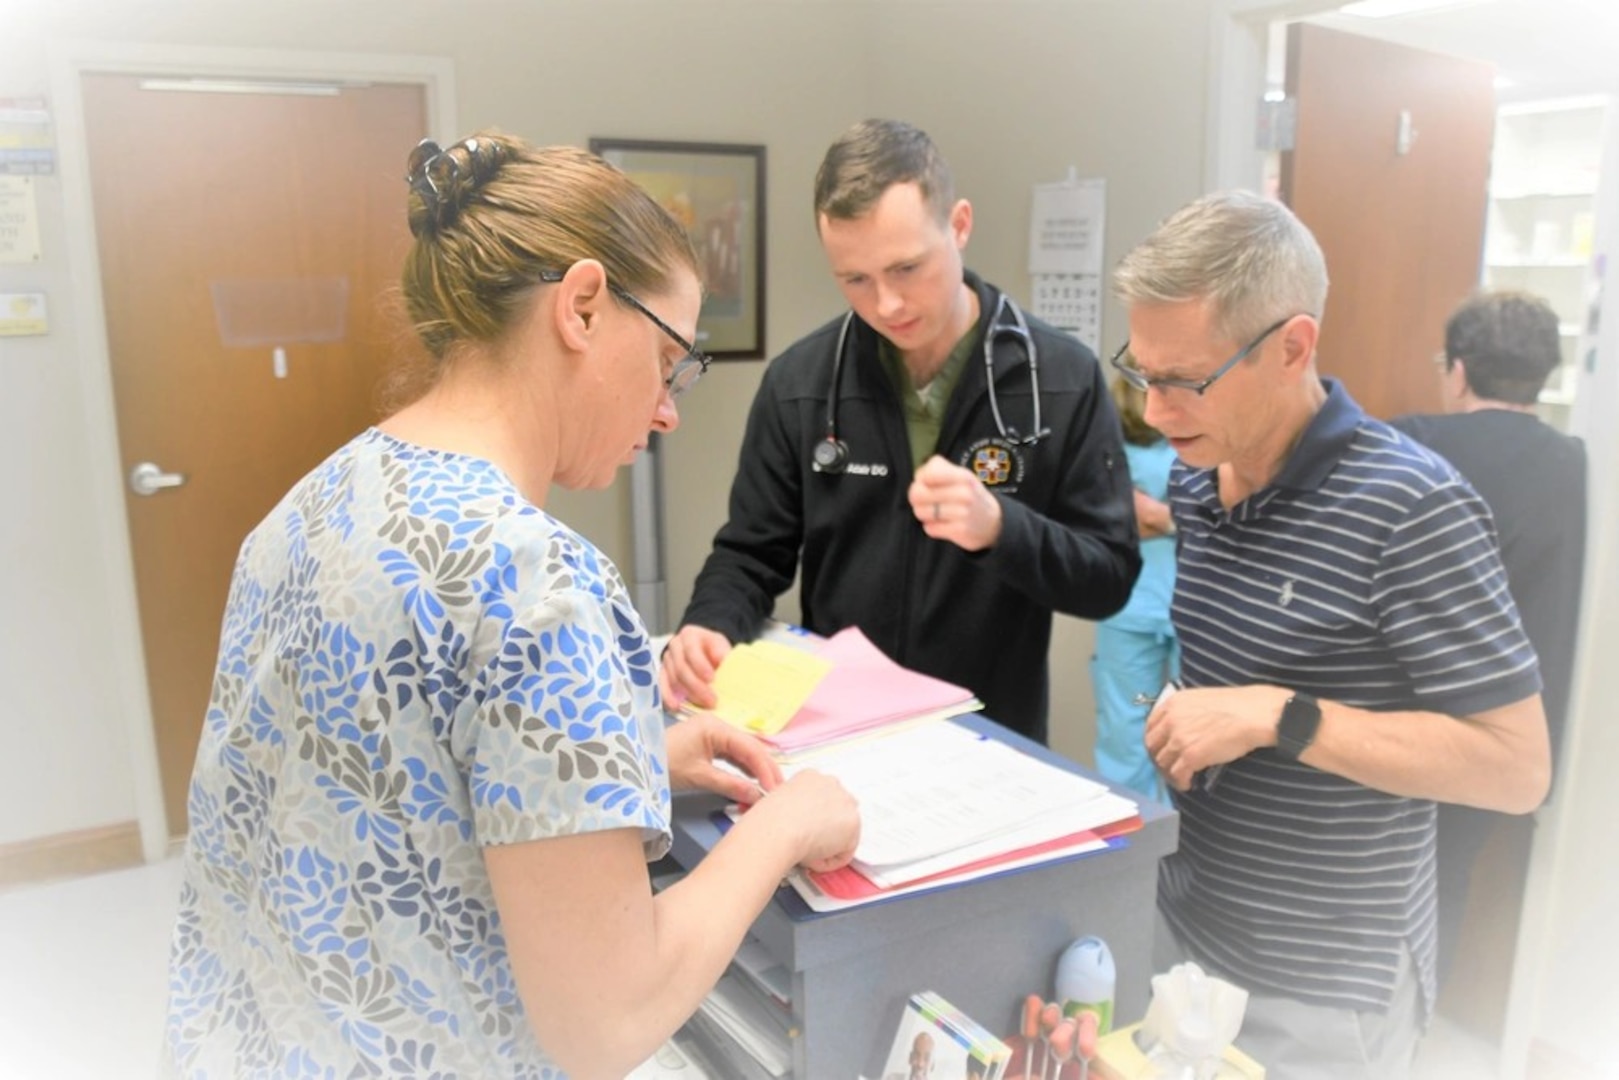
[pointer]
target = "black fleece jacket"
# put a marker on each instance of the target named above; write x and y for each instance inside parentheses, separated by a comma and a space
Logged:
(983, 620)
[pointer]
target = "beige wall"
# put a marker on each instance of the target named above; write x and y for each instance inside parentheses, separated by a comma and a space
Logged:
(1015, 92)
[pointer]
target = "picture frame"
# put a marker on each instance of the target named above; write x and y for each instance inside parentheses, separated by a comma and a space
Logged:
(717, 190)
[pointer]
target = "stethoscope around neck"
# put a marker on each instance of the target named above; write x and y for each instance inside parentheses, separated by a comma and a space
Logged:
(831, 454)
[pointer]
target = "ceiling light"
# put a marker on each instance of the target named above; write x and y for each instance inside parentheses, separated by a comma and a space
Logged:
(1386, 9)
(1562, 104)
(243, 86)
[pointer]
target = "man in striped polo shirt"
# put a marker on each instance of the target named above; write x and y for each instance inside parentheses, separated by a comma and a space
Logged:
(1350, 653)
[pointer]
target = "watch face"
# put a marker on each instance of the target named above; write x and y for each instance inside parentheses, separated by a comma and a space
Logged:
(1301, 716)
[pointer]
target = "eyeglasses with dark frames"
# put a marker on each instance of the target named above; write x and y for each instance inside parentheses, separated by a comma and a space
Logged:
(1144, 382)
(688, 369)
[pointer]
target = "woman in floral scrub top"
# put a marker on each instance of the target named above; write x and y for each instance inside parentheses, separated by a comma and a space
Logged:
(434, 763)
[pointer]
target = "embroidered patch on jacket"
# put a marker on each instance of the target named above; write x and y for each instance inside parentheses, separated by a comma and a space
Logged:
(995, 461)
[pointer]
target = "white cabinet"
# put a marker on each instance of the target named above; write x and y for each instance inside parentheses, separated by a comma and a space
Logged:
(1542, 219)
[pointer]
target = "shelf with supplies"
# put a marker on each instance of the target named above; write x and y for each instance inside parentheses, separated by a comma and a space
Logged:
(1553, 262)
(981, 943)
(1581, 191)
(1539, 236)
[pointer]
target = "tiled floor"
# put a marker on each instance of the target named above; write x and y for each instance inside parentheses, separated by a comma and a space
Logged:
(82, 967)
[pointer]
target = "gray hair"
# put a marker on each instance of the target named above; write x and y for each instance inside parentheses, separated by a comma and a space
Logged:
(1247, 254)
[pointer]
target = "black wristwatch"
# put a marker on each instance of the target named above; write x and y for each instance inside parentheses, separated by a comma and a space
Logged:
(1301, 717)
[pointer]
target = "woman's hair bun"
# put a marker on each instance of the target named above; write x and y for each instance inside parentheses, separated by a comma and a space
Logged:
(442, 181)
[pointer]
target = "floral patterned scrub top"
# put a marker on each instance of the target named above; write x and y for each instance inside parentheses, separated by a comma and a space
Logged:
(415, 662)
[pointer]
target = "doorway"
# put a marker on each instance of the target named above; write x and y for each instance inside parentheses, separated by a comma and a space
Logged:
(1389, 165)
(428, 83)
(245, 237)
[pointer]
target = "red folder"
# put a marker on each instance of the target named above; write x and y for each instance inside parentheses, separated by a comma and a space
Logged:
(848, 883)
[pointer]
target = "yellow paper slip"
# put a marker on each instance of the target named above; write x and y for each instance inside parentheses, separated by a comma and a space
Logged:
(761, 685)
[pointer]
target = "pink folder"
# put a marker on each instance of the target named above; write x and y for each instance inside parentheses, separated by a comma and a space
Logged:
(864, 690)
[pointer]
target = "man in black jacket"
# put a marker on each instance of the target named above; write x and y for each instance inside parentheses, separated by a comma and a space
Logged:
(945, 493)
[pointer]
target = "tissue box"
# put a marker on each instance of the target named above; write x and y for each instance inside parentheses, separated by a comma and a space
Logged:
(1119, 1058)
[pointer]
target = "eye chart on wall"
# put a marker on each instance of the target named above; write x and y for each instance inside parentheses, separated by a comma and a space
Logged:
(1065, 256)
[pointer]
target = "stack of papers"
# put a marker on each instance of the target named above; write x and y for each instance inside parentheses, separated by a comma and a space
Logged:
(673, 1061)
(940, 804)
(751, 1033)
(765, 972)
(741, 1031)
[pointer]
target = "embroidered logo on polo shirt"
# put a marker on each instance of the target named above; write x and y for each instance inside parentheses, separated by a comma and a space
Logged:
(1286, 596)
(996, 462)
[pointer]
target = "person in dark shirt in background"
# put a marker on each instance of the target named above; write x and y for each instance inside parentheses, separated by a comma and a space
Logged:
(1500, 347)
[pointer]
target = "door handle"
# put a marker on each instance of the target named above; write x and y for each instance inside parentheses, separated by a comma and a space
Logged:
(147, 479)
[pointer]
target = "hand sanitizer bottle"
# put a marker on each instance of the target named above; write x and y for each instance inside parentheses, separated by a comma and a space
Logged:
(1085, 978)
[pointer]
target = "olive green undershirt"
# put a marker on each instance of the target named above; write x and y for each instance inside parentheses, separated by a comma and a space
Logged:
(924, 407)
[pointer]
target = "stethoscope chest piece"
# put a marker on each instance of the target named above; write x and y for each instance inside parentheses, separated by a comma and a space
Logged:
(831, 455)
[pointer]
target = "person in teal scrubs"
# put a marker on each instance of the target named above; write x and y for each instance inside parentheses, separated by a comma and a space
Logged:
(1136, 651)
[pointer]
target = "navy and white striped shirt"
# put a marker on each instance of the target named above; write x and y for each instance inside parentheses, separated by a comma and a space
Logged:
(1366, 573)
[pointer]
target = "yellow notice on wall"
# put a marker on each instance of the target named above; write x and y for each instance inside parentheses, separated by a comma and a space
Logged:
(762, 685)
(22, 314)
(19, 220)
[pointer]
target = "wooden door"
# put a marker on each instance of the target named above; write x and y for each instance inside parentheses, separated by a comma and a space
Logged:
(226, 222)
(1402, 228)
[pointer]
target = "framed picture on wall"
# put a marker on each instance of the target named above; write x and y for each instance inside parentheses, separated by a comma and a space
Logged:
(717, 190)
